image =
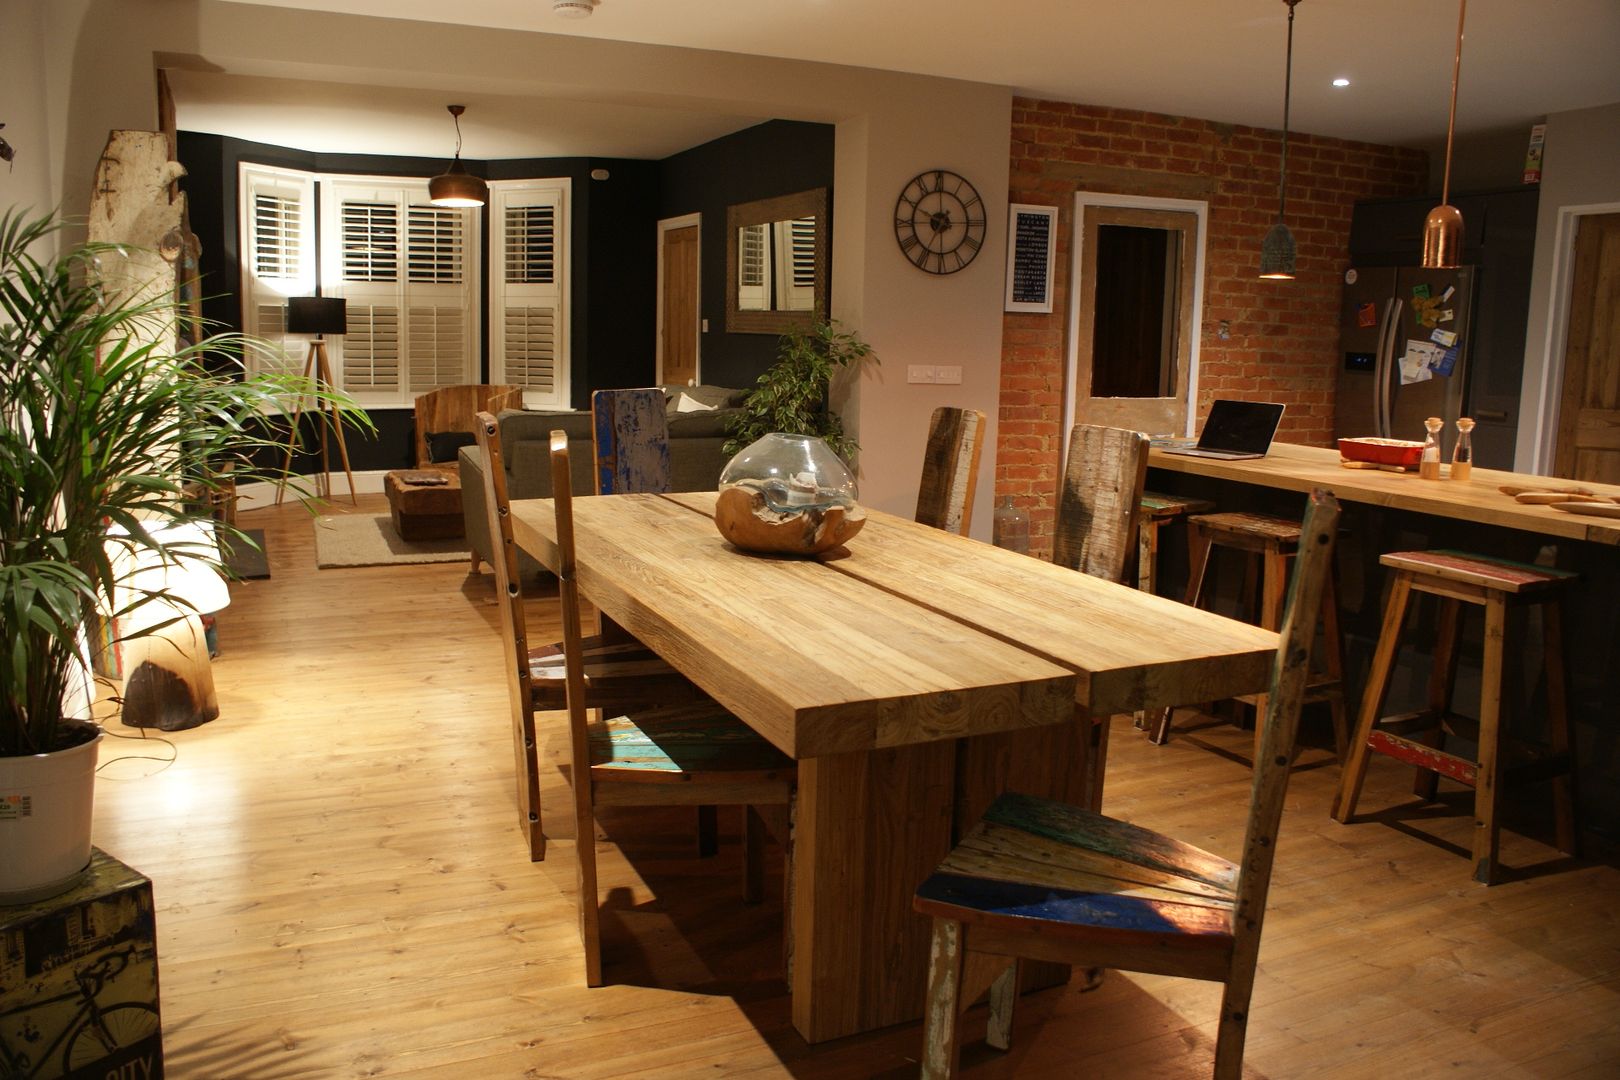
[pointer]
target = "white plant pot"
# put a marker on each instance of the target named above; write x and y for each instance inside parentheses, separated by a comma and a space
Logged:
(46, 802)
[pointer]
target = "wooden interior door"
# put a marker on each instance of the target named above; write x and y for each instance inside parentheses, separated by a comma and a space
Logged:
(1589, 412)
(678, 330)
(1123, 311)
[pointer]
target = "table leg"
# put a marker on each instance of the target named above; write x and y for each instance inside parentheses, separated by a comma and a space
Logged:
(869, 828)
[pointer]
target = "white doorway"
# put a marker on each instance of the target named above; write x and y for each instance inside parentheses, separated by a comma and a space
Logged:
(679, 319)
(1167, 405)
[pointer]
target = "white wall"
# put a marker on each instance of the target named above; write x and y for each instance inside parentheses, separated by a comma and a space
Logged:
(890, 126)
(1580, 168)
(26, 183)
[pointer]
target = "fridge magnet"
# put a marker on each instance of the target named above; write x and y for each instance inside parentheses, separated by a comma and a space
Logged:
(1447, 315)
(1420, 291)
(1415, 363)
(1425, 311)
(1448, 338)
(1367, 315)
(1451, 290)
(1444, 364)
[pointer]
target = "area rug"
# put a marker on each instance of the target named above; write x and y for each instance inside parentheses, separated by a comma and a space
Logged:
(370, 540)
(247, 561)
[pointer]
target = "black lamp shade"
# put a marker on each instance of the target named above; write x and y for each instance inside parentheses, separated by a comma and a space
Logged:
(317, 315)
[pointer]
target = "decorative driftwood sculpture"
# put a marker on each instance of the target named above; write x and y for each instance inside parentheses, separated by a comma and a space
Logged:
(743, 517)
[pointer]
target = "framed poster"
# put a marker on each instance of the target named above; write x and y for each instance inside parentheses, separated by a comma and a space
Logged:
(1031, 232)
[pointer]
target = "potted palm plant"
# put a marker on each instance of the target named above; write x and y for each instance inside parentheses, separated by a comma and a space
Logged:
(111, 435)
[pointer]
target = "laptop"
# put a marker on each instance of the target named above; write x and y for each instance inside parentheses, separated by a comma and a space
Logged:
(1236, 429)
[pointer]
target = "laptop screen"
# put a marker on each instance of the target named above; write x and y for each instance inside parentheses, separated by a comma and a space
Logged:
(1245, 426)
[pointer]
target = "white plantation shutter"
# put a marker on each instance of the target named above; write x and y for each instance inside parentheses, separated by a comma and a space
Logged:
(410, 281)
(528, 294)
(278, 260)
(371, 348)
(797, 284)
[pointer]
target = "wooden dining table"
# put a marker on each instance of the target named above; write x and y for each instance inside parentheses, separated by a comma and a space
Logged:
(914, 676)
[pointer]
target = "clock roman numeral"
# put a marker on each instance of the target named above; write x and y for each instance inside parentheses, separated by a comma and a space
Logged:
(971, 242)
(909, 243)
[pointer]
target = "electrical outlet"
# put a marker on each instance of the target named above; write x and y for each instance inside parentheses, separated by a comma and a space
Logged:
(951, 373)
(919, 373)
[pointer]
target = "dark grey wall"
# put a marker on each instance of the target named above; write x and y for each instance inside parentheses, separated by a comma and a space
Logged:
(778, 157)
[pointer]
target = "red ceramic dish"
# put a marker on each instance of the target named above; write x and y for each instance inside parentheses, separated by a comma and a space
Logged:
(1401, 452)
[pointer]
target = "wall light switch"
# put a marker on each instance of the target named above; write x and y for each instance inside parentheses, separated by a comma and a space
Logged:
(951, 373)
(705, 325)
(919, 373)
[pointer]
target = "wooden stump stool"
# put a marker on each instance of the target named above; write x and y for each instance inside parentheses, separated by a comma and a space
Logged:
(1419, 738)
(1270, 543)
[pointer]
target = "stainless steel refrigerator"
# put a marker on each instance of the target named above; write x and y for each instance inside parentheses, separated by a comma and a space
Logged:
(1404, 343)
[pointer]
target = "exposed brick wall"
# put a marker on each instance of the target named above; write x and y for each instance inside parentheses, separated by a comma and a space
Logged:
(1283, 334)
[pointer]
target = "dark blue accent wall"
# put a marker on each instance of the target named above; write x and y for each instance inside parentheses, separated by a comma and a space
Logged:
(778, 157)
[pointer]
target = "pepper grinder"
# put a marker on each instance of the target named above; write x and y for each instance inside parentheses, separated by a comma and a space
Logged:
(1429, 464)
(1462, 456)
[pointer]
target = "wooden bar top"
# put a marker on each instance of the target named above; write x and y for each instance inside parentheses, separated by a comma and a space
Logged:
(1129, 650)
(817, 661)
(1301, 468)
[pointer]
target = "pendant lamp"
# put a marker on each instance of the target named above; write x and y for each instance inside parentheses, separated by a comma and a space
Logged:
(1277, 251)
(456, 186)
(1443, 228)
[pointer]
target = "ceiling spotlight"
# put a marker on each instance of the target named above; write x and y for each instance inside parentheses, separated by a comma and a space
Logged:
(1341, 81)
(572, 9)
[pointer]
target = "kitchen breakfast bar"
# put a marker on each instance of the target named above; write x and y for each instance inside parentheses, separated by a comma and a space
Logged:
(1391, 511)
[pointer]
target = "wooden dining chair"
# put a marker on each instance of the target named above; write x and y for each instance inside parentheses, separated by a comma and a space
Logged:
(1099, 509)
(1042, 880)
(619, 672)
(630, 441)
(686, 755)
(950, 470)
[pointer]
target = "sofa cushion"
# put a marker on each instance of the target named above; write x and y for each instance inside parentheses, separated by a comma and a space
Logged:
(716, 397)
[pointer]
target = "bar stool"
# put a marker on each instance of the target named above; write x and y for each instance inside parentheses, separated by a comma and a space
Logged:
(1419, 738)
(1159, 510)
(1156, 511)
(1271, 542)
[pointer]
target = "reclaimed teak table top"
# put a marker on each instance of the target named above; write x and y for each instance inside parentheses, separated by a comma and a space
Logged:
(1300, 468)
(915, 675)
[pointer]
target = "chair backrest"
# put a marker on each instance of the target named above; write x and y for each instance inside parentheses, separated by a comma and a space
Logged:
(950, 469)
(453, 408)
(514, 628)
(1098, 506)
(630, 437)
(1289, 676)
(562, 499)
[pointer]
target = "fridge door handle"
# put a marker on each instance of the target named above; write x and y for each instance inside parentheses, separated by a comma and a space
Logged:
(1384, 367)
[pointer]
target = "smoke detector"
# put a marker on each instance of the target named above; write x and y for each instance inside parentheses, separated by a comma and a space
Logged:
(572, 9)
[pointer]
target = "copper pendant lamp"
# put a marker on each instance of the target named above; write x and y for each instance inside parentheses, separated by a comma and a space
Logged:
(456, 186)
(1443, 228)
(1277, 250)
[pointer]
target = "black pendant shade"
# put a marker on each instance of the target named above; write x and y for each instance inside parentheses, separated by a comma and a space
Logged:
(456, 186)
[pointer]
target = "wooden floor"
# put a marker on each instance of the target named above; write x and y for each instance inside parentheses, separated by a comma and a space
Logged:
(343, 891)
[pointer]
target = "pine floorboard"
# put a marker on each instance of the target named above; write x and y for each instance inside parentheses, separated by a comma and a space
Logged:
(342, 890)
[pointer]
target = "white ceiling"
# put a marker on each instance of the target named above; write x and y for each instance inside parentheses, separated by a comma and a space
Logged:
(1216, 59)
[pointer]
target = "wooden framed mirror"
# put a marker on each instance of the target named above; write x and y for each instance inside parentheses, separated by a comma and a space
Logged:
(777, 251)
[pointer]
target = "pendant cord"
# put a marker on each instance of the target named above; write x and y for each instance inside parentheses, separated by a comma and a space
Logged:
(1451, 121)
(1288, 88)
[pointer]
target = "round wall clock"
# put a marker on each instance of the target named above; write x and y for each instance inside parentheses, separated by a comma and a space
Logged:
(939, 222)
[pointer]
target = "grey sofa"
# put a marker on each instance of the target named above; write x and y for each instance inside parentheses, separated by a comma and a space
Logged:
(696, 456)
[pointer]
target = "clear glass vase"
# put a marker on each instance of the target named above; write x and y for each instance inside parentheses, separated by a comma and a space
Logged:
(792, 473)
(787, 494)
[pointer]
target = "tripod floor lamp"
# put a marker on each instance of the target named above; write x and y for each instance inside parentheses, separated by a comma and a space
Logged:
(318, 315)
